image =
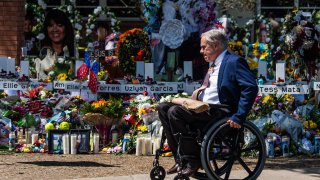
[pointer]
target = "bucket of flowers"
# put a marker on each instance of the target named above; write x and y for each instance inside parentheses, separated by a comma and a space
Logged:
(102, 114)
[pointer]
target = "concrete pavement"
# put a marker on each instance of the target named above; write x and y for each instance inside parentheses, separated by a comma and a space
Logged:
(268, 174)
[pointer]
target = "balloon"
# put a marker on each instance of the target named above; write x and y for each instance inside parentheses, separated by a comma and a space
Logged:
(83, 71)
(95, 67)
(93, 82)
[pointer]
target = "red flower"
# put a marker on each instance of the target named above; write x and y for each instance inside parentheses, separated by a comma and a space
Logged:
(145, 93)
(139, 56)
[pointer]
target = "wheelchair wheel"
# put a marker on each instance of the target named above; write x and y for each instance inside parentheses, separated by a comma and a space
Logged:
(157, 173)
(225, 149)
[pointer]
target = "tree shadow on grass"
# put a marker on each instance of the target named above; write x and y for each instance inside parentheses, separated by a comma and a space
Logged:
(68, 163)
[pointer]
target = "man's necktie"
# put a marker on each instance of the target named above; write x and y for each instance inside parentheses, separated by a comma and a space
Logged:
(205, 83)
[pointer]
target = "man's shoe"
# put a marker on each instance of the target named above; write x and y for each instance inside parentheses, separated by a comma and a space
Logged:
(190, 171)
(173, 169)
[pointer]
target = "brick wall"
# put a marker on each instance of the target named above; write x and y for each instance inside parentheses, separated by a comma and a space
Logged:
(11, 28)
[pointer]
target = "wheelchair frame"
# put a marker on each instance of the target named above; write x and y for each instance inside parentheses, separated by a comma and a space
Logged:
(217, 163)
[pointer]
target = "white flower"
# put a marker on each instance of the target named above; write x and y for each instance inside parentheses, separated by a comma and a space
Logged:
(246, 40)
(89, 31)
(92, 26)
(60, 60)
(185, 94)
(162, 100)
(97, 10)
(267, 40)
(168, 98)
(113, 22)
(272, 46)
(78, 26)
(282, 20)
(51, 73)
(90, 45)
(278, 48)
(251, 21)
(69, 8)
(281, 38)
(247, 34)
(41, 36)
(235, 37)
(264, 21)
(77, 36)
(144, 105)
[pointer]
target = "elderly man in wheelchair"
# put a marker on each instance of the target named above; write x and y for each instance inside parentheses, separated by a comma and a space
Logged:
(214, 139)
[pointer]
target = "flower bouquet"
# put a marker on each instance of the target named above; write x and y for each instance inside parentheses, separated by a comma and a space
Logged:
(102, 112)
(264, 105)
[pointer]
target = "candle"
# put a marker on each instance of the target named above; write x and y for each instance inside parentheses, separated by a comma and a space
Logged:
(96, 143)
(125, 141)
(285, 146)
(148, 146)
(139, 145)
(12, 139)
(73, 144)
(66, 144)
(28, 137)
(156, 145)
(34, 138)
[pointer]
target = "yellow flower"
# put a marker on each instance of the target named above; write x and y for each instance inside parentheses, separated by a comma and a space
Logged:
(141, 111)
(239, 43)
(143, 128)
(288, 97)
(101, 75)
(266, 99)
(255, 52)
(99, 103)
(62, 76)
(252, 64)
(310, 124)
(264, 55)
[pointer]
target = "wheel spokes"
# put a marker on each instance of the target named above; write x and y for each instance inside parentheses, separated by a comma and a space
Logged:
(244, 165)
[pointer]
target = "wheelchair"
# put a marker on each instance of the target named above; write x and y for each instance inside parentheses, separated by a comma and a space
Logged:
(223, 149)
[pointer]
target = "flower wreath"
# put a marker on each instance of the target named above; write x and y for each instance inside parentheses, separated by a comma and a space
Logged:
(133, 45)
(102, 11)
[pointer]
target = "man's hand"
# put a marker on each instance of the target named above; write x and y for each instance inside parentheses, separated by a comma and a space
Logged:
(233, 124)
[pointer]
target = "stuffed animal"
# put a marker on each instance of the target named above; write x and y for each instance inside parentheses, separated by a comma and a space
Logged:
(44, 66)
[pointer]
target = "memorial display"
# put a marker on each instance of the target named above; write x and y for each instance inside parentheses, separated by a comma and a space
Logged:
(101, 95)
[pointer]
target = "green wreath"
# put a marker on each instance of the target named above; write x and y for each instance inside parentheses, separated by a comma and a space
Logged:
(133, 45)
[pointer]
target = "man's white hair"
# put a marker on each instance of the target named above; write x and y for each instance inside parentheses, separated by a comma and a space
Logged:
(216, 36)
